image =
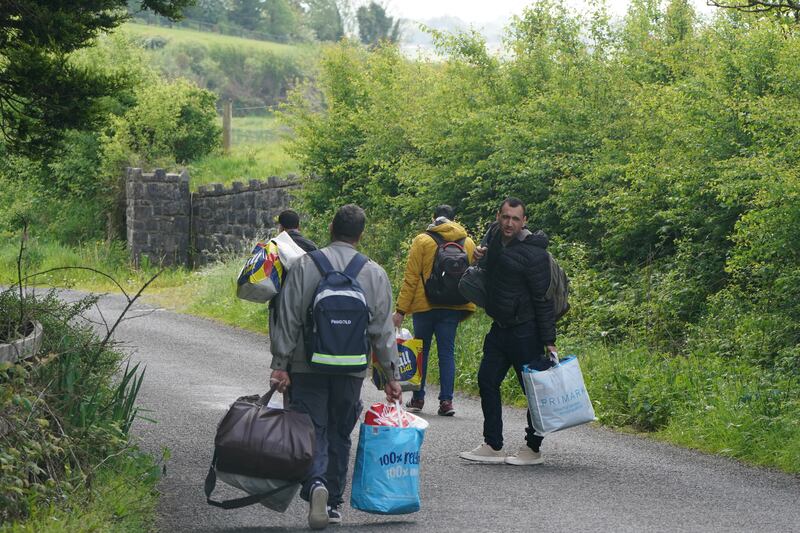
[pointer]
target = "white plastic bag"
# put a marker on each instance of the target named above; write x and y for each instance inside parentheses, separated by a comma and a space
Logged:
(288, 250)
(403, 334)
(557, 397)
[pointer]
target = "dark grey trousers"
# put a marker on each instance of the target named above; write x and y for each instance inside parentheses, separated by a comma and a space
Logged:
(334, 404)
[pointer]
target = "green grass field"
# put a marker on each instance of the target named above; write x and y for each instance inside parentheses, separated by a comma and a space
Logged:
(257, 152)
(184, 35)
(121, 497)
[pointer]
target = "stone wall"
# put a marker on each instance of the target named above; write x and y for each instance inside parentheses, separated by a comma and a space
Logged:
(229, 219)
(172, 226)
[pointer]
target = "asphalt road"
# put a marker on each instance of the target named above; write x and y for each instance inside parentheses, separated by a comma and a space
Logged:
(593, 479)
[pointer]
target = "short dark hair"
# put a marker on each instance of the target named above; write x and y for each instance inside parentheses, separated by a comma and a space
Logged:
(289, 219)
(513, 202)
(348, 223)
(445, 211)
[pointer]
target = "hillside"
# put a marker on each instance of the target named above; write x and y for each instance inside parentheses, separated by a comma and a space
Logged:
(174, 36)
(254, 74)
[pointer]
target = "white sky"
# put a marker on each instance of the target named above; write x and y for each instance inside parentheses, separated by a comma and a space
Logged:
(481, 11)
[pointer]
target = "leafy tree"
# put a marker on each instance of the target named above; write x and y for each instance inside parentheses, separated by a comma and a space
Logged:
(246, 13)
(374, 25)
(280, 18)
(41, 92)
(782, 8)
(210, 11)
(325, 19)
(276, 18)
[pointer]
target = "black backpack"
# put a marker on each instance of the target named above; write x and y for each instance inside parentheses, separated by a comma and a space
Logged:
(339, 314)
(558, 291)
(449, 264)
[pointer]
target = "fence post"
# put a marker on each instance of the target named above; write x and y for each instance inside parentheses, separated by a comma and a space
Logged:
(227, 113)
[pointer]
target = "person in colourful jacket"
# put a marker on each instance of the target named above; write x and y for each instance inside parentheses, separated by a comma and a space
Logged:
(429, 319)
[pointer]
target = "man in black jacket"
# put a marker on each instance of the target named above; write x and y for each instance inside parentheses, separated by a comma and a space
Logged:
(517, 278)
(289, 221)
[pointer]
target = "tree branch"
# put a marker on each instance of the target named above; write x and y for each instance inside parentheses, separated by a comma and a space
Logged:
(130, 303)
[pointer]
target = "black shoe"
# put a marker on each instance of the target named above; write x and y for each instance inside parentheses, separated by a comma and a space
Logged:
(334, 515)
(318, 506)
(414, 405)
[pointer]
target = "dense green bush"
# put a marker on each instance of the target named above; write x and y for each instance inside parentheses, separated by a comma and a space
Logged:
(65, 413)
(72, 192)
(170, 123)
(661, 155)
(664, 150)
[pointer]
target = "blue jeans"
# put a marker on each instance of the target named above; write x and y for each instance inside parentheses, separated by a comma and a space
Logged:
(334, 403)
(443, 323)
(505, 348)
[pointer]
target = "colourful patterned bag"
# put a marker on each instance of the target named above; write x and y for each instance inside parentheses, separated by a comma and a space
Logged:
(409, 355)
(262, 275)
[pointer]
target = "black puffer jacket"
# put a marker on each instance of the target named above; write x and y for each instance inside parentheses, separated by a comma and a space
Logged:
(518, 276)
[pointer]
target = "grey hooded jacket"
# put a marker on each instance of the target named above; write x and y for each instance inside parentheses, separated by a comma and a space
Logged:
(288, 348)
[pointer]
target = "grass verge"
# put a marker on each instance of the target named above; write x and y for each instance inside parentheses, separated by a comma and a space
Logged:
(211, 293)
(121, 497)
(110, 258)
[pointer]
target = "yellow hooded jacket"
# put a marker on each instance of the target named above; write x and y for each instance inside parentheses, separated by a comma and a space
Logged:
(412, 297)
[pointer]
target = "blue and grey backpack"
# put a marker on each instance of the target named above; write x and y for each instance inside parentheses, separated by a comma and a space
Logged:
(339, 316)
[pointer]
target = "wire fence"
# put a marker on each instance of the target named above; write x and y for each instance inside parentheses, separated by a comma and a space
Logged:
(252, 125)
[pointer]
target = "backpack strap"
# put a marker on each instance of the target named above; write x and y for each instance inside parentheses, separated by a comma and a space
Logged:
(441, 240)
(323, 265)
(355, 265)
(436, 237)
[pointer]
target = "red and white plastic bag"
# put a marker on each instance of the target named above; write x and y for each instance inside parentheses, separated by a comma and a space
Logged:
(392, 415)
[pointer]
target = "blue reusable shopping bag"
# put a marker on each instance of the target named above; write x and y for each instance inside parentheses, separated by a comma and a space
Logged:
(386, 474)
(557, 397)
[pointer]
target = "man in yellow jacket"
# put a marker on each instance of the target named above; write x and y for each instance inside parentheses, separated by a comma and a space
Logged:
(432, 318)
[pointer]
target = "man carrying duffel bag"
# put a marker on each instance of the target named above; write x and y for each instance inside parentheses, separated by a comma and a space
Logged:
(335, 308)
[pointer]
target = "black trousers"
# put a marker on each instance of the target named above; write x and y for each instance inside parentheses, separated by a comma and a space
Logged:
(334, 404)
(505, 348)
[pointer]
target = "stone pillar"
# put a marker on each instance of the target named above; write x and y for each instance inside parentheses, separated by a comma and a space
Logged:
(158, 217)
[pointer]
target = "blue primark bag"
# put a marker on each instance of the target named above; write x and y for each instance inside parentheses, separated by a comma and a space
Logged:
(386, 474)
(557, 397)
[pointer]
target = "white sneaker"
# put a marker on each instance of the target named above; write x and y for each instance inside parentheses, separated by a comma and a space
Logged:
(525, 456)
(318, 507)
(484, 454)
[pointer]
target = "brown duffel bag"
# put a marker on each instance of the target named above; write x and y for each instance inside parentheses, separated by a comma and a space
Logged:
(258, 441)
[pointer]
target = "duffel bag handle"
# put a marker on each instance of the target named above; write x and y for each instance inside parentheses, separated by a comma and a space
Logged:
(264, 400)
